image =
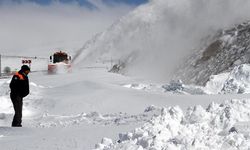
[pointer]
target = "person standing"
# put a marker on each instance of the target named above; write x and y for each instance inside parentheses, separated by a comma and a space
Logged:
(19, 88)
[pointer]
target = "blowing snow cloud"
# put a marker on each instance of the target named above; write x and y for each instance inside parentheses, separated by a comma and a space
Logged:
(153, 39)
(28, 27)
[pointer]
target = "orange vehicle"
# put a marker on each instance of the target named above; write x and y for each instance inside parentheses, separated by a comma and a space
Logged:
(60, 62)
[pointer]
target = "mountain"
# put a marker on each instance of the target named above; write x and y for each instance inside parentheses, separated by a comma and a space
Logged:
(156, 38)
(229, 48)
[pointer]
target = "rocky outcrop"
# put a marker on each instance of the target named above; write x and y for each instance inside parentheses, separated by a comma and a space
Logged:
(229, 48)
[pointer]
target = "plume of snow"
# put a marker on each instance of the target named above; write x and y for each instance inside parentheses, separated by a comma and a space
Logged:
(154, 38)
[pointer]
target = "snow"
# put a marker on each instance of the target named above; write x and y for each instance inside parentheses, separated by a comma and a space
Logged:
(37, 64)
(176, 87)
(91, 108)
(197, 128)
(154, 40)
(78, 109)
(237, 81)
(216, 83)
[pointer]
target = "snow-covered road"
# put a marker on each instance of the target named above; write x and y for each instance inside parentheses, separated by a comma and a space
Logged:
(76, 110)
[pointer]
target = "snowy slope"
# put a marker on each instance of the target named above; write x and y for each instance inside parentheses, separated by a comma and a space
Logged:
(228, 49)
(155, 38)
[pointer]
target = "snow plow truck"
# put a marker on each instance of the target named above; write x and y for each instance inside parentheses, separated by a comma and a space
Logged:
(59, 62)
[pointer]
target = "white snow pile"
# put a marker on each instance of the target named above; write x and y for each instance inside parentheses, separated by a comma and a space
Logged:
(5, 102)
(175, 87)
(179, 87)
(219, 126)
(215, 83)
(236, 82)
(4, 87)
(29, 104)
(144, 87)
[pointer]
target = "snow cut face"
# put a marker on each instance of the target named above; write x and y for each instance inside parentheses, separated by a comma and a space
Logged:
(197, 128)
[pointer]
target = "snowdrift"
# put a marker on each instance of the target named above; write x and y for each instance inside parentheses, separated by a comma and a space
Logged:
(235, 82)
(175, 87)
(30, 104)
(219, 126)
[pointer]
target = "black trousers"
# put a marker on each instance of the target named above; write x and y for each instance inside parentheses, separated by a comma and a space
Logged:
(18, 107)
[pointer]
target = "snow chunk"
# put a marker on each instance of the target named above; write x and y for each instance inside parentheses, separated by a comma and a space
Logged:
(216, 83)
(173, 87)
(104, 143)
(236, 82)
(179, 87)
(198, 128)
(145, 87)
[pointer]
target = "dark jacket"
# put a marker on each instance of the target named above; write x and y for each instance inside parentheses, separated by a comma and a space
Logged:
(19, 84)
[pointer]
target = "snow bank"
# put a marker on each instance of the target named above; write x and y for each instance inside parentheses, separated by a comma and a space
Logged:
(4, 87)
(30, 105)
(216, 83)
(197, 128)
(176, 87)
(236, 82)
(145, 87)
(5, 102)
(179, 87)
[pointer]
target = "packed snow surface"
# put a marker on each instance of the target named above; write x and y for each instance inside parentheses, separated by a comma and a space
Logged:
(76, 110)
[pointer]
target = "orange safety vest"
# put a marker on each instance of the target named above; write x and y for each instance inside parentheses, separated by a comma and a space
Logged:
(19, 75)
